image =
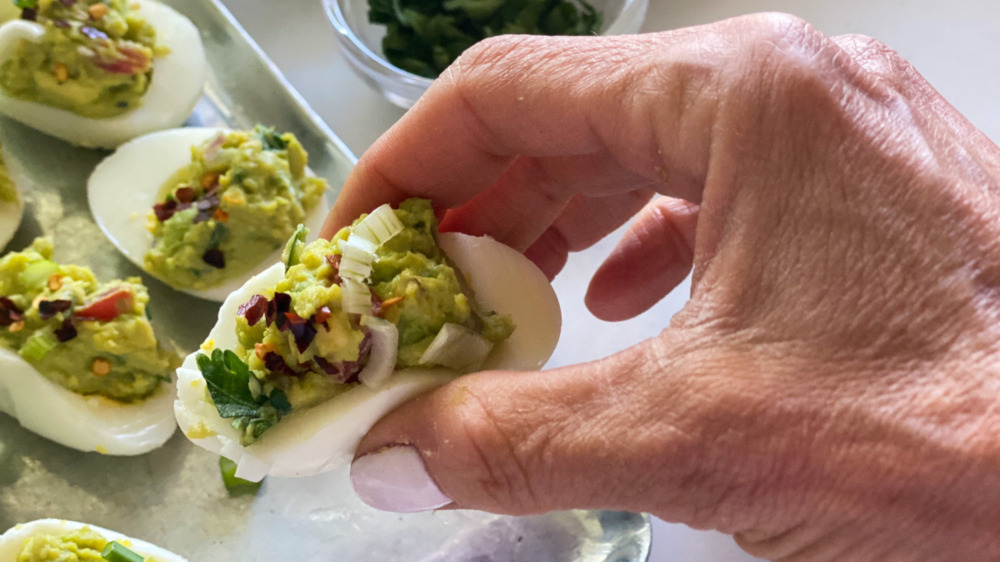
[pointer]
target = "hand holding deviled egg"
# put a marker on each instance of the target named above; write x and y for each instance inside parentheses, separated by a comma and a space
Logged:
(99, 72)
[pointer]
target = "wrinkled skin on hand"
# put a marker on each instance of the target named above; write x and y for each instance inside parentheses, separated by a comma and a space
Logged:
(830, 392)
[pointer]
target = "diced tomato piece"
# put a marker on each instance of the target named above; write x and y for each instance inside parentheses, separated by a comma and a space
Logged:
(108, 306)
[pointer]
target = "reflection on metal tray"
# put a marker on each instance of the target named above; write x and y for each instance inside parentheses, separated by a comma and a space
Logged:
(174, 496)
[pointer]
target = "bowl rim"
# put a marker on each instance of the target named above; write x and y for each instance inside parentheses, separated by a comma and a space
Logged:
(355, 44)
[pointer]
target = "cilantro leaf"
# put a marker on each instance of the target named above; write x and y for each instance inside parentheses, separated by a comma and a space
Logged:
(423, 37)
(270, 138)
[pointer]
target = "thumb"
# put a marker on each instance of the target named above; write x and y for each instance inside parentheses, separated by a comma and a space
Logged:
(636, 431)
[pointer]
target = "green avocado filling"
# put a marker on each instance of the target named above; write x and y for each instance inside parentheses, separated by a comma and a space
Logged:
(424, 37)
(240, 198)
(95, 58)
(89, 337)
(298, 347)
(8, 194)
(84, 545)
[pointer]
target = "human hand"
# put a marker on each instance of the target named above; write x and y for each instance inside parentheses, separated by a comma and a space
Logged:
(830, 390)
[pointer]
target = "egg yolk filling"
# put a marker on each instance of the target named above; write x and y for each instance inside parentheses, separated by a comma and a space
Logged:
(89, 337)
(330, 325)
(84, 545)
(239, 199)
(95, 58)
(8, 194)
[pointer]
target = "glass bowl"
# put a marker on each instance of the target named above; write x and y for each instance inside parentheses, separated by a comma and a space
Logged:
(361, 43)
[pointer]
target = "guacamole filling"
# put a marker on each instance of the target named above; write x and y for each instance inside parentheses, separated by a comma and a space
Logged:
(95, 59)
(240, 198)
(323, 328)
(8, 194)
(83, 545)
(89, 337)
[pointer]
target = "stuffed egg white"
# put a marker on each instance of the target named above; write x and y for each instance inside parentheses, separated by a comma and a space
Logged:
(126, 195)
(11, 206)
(325, 436)
(172, 88)
(79, 362)
(47, 535)
(86, 423)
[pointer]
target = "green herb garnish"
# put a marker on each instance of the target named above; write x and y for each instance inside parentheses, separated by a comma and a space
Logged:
(234, 485)
(424, 36)
(117, 552)
(270, 138)
(26, 4)
(228, 381)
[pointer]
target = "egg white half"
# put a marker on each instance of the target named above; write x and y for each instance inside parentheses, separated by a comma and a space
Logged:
(14, 539)
(10, 219)
(178, 79)
(86, 423)
(124, 187)
(324, 437)
(10, 213)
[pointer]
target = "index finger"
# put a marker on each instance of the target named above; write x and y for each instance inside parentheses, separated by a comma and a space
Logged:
(555, 98)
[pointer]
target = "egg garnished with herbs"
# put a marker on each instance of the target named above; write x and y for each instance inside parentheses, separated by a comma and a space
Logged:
(97, 73)
(206, 209)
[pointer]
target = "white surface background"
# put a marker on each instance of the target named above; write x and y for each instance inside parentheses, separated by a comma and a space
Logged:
(955, 44)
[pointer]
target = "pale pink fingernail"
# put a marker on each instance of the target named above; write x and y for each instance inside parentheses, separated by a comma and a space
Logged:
(395, 479)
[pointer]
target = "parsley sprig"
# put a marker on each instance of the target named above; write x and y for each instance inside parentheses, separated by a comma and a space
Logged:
(228, 380)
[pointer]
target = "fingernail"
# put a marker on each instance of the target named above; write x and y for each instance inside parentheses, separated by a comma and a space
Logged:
(395, 479)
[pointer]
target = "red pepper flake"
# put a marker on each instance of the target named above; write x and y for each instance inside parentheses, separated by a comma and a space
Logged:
(48, 309)
(322, 315)
(253, 309)
(165, 210)
(109, 305)
(66, 332)
(214, 258)
(9, 312)
(302, 331)
(184, 194)
(276, 364)
(334, 261)
(276, 309)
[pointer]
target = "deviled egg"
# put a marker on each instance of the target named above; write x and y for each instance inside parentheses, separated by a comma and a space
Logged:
(79, 363)
(59, 539)
(99, 72)
(11, 207)
(309, 354)
(205, 209)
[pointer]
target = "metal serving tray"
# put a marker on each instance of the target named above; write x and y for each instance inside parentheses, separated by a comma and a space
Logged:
(174, 496)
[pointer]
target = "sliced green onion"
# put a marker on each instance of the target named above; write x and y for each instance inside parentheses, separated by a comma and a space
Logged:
(234, 485)
(293, 250)
(37, 273)
(379, 226)
(356, 298)
(117, 552)
(385, 344)
(38, 345)
(457, 347)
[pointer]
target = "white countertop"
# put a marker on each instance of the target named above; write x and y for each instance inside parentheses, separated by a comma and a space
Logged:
(954, 44)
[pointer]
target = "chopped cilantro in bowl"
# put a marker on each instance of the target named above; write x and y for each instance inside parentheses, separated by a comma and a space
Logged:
(365, 29)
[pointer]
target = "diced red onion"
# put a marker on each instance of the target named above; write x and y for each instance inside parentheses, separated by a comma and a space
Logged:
(382, 361)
